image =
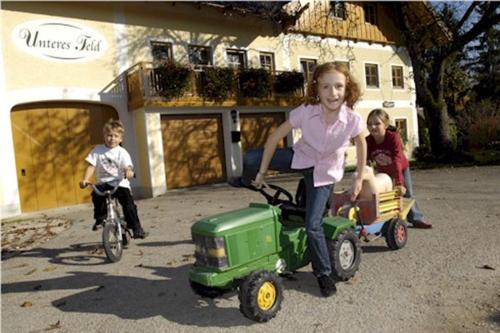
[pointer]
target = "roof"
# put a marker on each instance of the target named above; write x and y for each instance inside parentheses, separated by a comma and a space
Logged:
(276, 11)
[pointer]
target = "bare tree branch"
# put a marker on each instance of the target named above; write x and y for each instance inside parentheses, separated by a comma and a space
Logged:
(467, 14)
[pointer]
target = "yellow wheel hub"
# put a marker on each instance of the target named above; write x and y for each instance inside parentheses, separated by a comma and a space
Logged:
(266, 296)
(348, 212)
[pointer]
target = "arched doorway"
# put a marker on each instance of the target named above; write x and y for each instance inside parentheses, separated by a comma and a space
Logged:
(51, 141)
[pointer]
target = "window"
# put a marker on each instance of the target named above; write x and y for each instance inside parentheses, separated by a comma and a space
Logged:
(402, 129)
(236, 59)
(267, 61)
(370, 11)
(337, 10)
(162, 52)
(371, 74)
(200, 55)
(307, 66)
(397, 77)
(345, 63)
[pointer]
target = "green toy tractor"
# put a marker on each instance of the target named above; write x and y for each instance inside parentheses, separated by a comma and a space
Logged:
(248, 249)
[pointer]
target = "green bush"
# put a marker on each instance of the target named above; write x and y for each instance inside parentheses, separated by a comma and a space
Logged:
(288, 82)
(479, 124)
(217, 83)
(255, 82)
(171, 80)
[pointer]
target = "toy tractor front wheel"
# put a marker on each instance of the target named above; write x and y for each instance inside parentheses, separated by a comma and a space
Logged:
(396, 234)
(345, 255)
(261, 294)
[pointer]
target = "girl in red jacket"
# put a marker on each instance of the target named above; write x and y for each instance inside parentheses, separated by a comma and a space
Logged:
(386, 151)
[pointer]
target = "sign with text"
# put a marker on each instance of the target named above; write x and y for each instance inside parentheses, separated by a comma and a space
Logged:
(59, 40)
(388, 104)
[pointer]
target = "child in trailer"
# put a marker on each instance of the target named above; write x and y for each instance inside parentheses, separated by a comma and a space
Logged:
(386, 152)
(327, 122)
(112, 164)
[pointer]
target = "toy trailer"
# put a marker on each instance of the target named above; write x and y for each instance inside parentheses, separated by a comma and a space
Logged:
(383, 215)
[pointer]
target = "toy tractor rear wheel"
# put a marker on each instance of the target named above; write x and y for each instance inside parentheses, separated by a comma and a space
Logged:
(205, 291)
(396, 234)
(261, 294)
(345, 255)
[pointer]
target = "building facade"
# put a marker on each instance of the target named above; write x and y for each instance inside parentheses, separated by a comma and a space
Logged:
(162, 69)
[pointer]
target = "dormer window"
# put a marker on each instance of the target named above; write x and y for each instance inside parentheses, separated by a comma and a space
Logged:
(337, 10)
(370, 11)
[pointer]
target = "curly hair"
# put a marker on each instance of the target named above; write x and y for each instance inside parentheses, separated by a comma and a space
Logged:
(352, 90)
(114, 125)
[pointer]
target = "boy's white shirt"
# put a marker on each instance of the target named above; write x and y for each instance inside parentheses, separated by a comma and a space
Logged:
(110, 164)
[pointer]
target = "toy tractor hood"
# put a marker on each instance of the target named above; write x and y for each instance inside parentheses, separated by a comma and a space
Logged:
(219, 224)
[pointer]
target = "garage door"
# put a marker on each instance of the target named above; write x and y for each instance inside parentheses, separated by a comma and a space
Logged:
(193, 149)
(256, 128)
(51, 141)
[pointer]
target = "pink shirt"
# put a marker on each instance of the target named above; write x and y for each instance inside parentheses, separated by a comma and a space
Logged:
(323, 146)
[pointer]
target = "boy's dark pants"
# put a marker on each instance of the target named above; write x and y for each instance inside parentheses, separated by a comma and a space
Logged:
(126, 201)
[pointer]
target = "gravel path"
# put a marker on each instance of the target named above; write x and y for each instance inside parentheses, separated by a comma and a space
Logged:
(446, 279)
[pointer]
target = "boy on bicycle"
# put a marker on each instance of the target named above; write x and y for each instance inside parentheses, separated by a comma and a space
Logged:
(112, 164)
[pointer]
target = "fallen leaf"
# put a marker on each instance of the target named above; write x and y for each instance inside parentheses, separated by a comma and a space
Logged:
(31, 272)
(171, 263)
(486, 267)
(54, 326)
(27, 304)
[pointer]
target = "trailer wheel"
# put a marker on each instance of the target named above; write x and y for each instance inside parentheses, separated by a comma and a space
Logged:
(345, 255)
(205, 291)
(261, 294)
(396, 234)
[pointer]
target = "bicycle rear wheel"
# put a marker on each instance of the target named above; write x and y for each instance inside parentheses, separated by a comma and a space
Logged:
(112, 245)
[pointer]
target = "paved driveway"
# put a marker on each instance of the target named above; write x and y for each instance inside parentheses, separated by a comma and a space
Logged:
(440, 282)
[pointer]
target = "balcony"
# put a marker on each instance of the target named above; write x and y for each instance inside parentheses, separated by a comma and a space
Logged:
(153, 86)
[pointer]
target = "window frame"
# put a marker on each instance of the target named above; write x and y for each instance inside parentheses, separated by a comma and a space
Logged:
(370, 13)
(338, 10)
(307, 75)
(377, 87)
(241, 52)
(404, 134)
(210, 56)
(271, 56)
(402, 86)
(169, 52)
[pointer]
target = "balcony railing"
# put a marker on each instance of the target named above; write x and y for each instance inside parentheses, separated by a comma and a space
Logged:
(148, 86)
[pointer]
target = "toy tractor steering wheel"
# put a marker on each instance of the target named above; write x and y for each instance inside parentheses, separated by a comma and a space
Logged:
(275, 199)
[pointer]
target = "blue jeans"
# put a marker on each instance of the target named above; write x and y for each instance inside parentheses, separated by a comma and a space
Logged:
(415, 214)
(316, 200)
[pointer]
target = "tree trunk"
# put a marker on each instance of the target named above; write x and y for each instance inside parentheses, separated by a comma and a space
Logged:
(437, 117)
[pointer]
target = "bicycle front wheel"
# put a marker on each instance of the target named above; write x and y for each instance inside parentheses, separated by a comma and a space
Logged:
(112, 244)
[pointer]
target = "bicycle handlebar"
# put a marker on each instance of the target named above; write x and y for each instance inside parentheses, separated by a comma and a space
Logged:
(106, 192)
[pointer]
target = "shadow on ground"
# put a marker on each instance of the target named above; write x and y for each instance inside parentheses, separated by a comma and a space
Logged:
(135, 298)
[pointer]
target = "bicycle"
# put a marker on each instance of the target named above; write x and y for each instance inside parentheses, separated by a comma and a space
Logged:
(114, 233)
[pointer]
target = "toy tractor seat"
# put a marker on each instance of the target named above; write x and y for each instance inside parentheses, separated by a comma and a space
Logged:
(294, 213)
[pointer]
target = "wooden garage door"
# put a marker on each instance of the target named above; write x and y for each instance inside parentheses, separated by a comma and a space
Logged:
(51, 141)
(193, 150)
(256, 128)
